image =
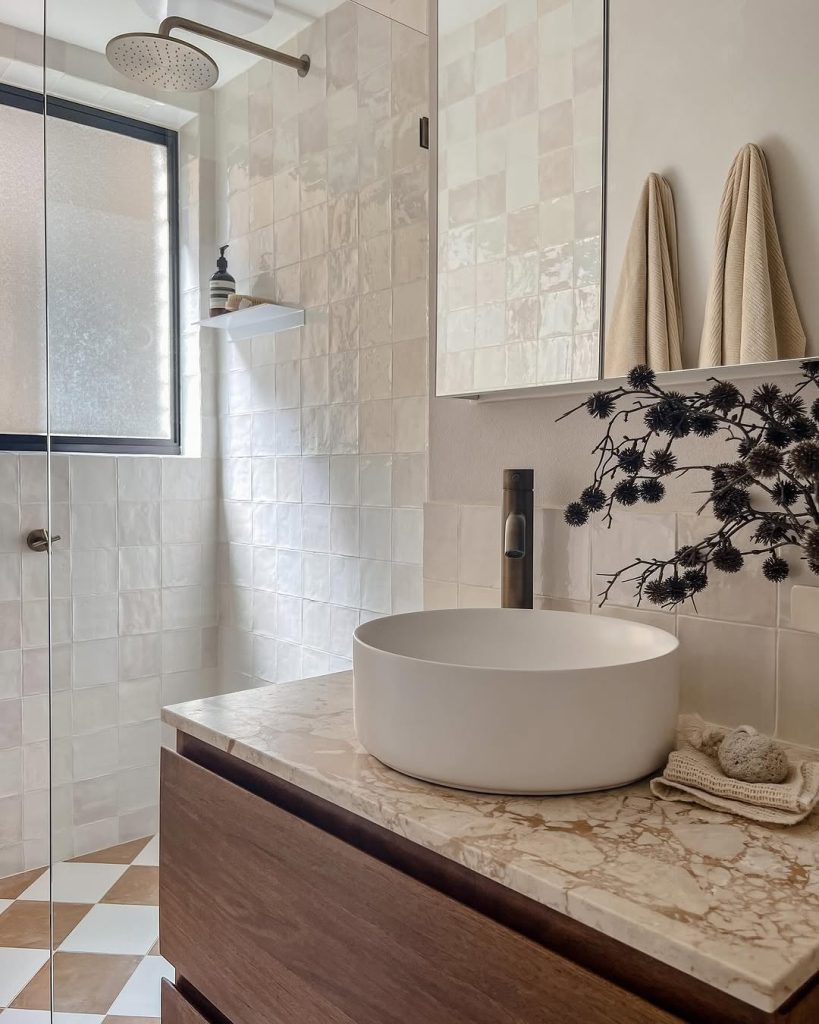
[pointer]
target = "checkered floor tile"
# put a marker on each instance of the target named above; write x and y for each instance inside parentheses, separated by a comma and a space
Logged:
(106, 964)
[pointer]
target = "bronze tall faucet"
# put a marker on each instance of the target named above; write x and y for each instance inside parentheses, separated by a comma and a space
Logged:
(517, 586)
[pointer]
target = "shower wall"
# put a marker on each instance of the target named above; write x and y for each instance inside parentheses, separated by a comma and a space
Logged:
(133, 609)
(323, 193)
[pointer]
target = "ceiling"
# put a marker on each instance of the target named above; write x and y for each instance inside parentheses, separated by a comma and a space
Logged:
(91, 23)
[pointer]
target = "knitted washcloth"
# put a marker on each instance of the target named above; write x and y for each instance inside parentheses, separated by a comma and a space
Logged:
(695, 776)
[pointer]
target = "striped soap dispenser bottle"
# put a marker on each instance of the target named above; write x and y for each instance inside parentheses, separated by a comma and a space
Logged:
(222, 284)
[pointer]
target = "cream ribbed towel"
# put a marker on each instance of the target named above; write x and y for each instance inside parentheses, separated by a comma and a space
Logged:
(646, 321)
(751, 314)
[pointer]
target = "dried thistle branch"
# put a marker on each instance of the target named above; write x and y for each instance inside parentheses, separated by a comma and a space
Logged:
(775, 436)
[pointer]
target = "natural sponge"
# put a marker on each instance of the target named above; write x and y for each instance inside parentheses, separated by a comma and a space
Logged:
(749, 757)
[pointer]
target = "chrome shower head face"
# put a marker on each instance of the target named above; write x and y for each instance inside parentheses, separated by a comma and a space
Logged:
(165, 63)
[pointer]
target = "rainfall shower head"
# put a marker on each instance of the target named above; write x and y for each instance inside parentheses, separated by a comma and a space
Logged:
(178, 66)
(165, 63)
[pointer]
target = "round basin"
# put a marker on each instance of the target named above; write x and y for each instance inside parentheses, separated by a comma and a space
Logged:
(507, 701)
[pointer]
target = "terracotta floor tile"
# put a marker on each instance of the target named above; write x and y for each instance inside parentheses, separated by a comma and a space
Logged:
(83, 983)
(139, 885)
(122, 854)
(25, 925)
(11, 887)
(130, 1020)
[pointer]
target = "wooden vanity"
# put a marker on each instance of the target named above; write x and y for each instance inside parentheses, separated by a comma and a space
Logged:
(279, 905)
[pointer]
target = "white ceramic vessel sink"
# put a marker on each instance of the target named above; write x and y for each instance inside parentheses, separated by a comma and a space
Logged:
(504, 701)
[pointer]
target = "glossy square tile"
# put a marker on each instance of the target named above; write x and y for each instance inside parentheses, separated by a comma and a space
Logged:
(83, 983)
(26, 924)
(75, 883)
(728, 672)
(140, 996)
(17, 968)
(798, 693)
(149, 854)
(116, 929)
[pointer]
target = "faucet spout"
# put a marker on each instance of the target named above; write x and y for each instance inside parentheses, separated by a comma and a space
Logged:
(515, 536)
(517, 575)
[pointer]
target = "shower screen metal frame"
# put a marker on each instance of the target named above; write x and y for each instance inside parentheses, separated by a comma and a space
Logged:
(68, 110)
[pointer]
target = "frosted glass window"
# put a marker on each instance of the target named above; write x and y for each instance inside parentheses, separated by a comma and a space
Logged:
(22, 297)
(108, 257)
(109, 287)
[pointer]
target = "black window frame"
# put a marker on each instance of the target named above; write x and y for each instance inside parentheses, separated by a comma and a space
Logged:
(68, 110)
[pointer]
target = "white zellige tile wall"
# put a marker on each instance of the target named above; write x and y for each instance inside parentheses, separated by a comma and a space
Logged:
(133, 628)
(741, 660)
(323, 429)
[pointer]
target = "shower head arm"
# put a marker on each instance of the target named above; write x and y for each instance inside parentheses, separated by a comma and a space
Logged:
(301, 64)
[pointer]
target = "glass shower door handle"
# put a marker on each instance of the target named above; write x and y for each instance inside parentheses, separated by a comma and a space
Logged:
(38, 540)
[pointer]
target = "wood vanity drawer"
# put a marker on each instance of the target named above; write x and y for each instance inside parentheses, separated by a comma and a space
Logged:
(176, 1009)
(273, 919)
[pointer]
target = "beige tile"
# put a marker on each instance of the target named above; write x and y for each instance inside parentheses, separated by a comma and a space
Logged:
(83, 983)
(130, 1020)
(559, 604)
(659, 620)
(441, 542)
(800, 576)
(440, 595)
(632, 535)
(798, 675)
(122, 854)
(748, 597)
(478, 597)
(562, 557)
(479, 546)
(138, 886)
(728, 672)
(26, 924)
(11, 887)
(412, 13)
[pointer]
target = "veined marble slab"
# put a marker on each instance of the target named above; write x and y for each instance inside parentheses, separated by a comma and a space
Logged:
(733, 903)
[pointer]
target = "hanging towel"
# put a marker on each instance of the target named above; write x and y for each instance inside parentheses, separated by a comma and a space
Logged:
(751, 314)
(646, 321)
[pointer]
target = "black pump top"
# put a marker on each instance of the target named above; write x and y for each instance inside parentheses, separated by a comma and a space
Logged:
(221, 263)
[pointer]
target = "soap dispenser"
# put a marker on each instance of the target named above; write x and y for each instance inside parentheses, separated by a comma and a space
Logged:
(222, 285)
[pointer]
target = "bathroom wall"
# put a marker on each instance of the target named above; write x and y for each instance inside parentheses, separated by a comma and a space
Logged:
(133, 610)
(742, 660)
(691, 82)
(322, 192)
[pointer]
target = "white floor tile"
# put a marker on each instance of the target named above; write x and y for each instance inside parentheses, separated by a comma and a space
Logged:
(149, 856)
(44, 1017)
(112, 928)
(76, 883)
(140, 997)
(17, 968)
(5, 904)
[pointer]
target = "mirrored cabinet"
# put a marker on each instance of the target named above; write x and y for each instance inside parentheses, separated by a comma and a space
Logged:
(621, 181)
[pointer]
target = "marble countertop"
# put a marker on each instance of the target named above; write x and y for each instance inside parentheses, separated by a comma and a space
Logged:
(733, 903)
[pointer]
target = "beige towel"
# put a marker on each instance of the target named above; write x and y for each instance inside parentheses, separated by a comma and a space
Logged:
(750, 314)
(646, 320)
(694, 776)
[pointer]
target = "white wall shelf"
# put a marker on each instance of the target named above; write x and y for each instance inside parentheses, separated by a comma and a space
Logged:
(266, 318)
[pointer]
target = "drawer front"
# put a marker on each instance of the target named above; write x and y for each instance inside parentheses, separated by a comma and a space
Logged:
(176, 1009)
(273, 919)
